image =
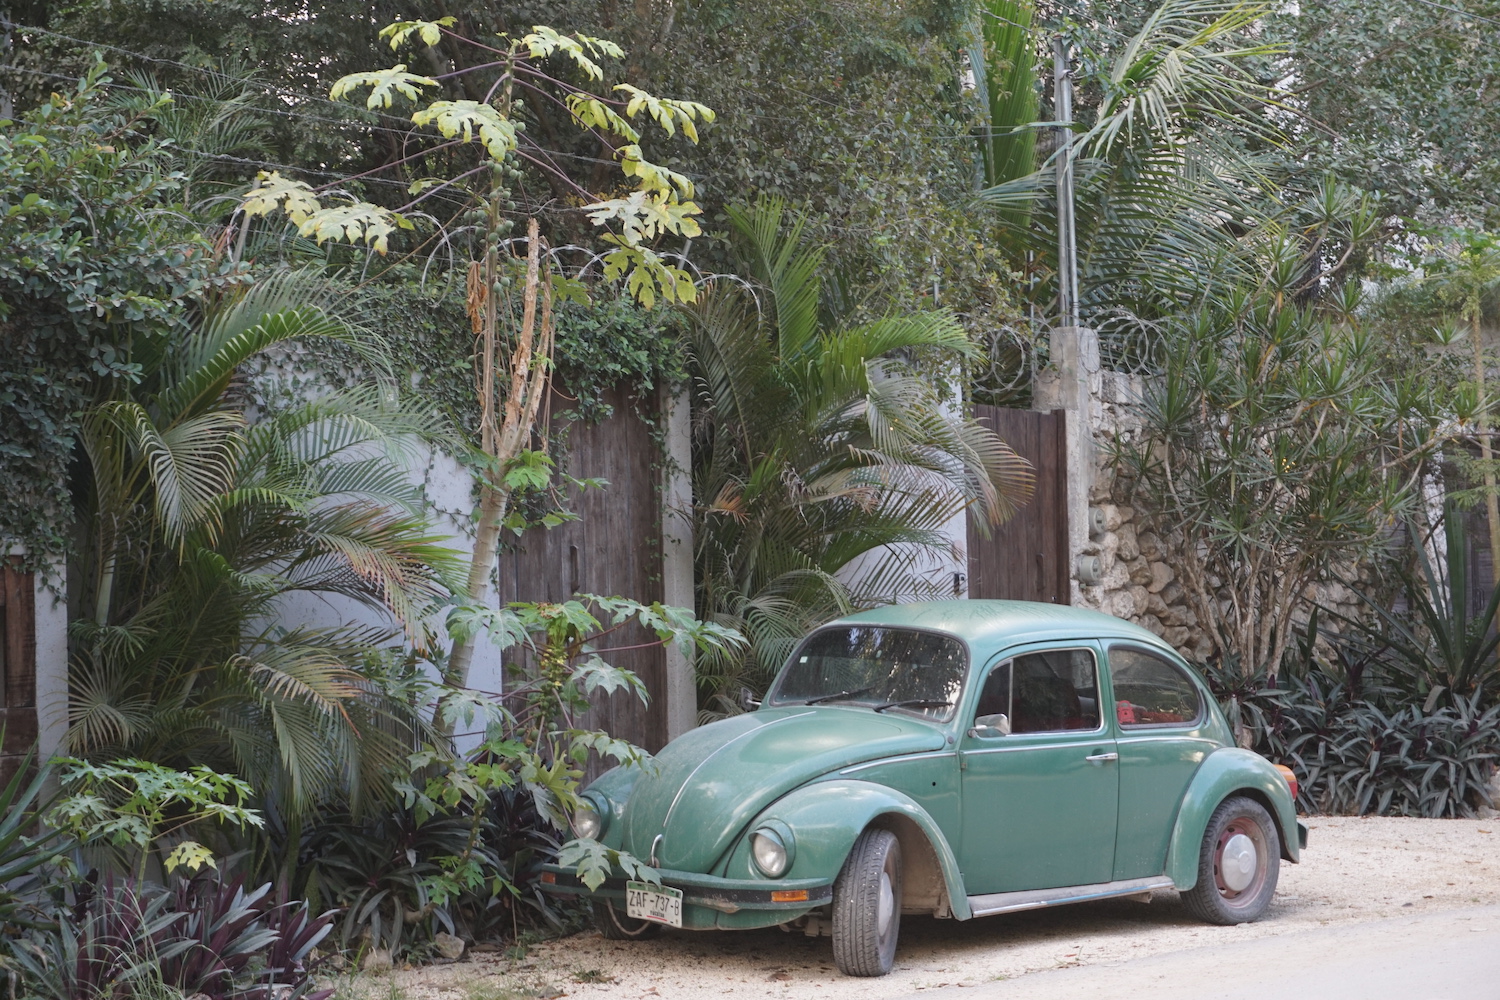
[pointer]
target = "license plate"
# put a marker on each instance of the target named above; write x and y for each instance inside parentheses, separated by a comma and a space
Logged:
(658, 903)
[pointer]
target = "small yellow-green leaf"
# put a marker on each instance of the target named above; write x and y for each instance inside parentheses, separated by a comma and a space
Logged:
(190, 855)
(544, 41)
(273, 191)
(468, 118)
(360, 222)
(383, 83)
(430, 31)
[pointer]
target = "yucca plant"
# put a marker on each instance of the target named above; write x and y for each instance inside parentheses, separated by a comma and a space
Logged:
(819, 443)
(202, 523)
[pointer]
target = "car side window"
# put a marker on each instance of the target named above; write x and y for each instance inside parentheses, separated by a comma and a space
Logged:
(1151, 691)
(1054, 691)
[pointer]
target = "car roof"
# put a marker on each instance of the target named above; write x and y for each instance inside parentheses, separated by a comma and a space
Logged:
(987, 625)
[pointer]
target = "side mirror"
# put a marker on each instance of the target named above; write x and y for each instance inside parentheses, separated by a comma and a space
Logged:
(990, 726)
(747, 700)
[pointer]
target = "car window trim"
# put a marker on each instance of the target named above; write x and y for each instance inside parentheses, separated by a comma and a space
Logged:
(1197, 722)
(1091, 645)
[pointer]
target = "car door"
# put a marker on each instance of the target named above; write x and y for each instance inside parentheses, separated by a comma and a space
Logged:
(1160, 716)
(1039, 782)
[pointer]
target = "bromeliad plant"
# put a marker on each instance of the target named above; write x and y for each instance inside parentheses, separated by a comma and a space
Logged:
(535, 737)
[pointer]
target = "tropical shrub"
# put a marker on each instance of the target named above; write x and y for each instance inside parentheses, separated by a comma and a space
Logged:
(820, 441)
(95, 256)
(201, 523)
(1277, 442)
(1376, 753)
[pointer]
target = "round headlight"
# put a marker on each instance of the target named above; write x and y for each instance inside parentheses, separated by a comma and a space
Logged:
(587, 823)
(769, 852)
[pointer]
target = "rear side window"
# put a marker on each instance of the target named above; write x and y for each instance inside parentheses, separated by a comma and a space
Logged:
(1151, 691)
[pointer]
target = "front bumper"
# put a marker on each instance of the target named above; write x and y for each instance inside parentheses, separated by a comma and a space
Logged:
(709, 901)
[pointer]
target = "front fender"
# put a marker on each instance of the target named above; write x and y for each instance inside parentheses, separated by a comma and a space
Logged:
(826, 817)
(615, 786)
(1227, 771)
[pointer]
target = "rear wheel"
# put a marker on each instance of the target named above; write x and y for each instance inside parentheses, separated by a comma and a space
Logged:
(1238, 864)
(616, 926)
(867, 906)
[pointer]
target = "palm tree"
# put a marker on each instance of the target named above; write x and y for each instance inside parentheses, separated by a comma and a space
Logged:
(201, 523)
(819, 442)
(1170, 169)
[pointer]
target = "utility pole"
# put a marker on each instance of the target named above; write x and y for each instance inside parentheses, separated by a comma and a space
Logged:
(1073, 349)
(1067, 240)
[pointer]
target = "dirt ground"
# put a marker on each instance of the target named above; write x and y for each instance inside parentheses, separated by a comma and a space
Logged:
(1353, 870)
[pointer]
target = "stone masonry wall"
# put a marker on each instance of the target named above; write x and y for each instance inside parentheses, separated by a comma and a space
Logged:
(1139, 581)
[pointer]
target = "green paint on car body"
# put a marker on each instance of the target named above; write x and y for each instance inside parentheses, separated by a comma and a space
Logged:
(977, 811)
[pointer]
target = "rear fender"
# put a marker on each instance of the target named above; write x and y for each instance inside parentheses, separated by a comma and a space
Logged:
(1228, 771)
(825, 819)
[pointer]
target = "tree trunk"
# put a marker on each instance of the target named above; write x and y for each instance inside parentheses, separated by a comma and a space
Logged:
(1486, 454)
(503, 440)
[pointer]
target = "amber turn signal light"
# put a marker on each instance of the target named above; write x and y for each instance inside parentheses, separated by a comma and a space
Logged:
(1291, 778)
(549, 877)
(788, 895)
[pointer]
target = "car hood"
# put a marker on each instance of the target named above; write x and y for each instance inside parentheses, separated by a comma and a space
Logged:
(712, 781)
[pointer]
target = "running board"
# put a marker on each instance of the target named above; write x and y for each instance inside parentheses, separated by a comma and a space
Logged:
(1032, 899)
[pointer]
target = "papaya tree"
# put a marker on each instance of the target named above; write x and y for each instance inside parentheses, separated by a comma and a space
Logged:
(474, 121)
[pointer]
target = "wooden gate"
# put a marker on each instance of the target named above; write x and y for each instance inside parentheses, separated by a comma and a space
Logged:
(17, 667)
(1026, 558)
(612, 549)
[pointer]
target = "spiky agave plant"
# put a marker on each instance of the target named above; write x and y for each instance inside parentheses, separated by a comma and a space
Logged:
(201, 524)
(819, 444)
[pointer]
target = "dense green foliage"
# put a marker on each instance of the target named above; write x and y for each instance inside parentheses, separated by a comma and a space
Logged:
(201, 526)
(820, 448)
(95, 260)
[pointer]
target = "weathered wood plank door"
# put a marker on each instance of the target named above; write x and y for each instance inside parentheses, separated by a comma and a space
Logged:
(1026, 558)
(17, 666)
(612, 549)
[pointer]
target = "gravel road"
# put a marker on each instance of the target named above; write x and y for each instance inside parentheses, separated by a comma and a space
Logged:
(1353, 870)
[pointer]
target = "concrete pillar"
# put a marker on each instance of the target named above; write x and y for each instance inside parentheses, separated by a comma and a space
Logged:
(1071, 384)
(677, 553)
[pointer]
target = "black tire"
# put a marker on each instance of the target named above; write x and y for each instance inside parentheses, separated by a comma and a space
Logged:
(616, 926)
(867, 906)
(1232, 887)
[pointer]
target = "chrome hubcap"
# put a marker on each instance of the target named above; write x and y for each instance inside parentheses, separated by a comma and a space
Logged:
(887, 903)
(1237, 862)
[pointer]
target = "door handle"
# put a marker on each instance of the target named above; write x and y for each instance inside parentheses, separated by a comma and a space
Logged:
(1100, 758)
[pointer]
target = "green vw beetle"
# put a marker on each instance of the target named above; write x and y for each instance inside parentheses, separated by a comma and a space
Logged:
(953, 758)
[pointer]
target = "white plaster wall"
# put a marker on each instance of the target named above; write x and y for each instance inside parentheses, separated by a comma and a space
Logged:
(51, 662)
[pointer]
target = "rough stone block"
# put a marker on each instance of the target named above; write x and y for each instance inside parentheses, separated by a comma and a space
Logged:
(1127, 547)
(1176, 636)
(1173, 593)
(1161, 575)
(1150, 545)
(1140, 572)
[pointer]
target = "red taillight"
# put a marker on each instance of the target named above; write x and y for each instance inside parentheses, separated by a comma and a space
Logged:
(1291, 779)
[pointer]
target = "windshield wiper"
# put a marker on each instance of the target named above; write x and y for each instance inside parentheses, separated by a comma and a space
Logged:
(842, 694)
(913, 703)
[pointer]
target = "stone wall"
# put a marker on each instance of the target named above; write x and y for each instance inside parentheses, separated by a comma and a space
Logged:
(1139, 577)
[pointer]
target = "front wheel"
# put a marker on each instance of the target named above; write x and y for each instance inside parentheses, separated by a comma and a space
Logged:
(616, 926)
(1238, 864)
(867, 906)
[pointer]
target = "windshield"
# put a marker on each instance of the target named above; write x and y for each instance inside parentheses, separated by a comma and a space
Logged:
(887, 669)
